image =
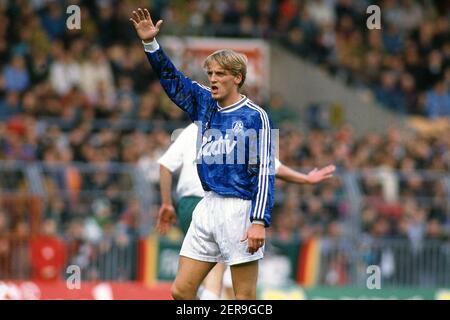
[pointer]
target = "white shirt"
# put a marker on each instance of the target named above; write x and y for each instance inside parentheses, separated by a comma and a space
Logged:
(64, 75)
(92, 74)
(181, 154)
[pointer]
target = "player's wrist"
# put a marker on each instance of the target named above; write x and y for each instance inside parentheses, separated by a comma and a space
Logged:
(258, 223)
(148, 41)
(167, 204)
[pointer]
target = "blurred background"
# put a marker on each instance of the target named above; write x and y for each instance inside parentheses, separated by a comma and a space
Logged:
(83, 121)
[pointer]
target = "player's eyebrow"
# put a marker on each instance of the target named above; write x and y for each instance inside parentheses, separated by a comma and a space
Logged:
(220, 71)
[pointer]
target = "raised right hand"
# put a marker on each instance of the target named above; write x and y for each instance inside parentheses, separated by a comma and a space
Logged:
(144, 26)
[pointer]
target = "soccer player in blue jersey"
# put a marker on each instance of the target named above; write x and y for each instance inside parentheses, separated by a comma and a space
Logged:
(228, 224)
(181, 156)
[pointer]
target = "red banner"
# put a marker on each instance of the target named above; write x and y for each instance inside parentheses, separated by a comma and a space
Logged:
(35, 290)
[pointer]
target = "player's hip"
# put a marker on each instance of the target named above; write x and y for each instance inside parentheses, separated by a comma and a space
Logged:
(217, 210)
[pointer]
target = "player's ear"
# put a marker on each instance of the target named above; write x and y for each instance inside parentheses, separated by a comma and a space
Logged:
(238, 79)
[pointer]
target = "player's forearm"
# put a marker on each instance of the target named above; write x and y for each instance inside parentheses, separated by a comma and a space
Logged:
(165, 185)
(157, 57)
(262, 207)
(263, 201)
(287, 174)
(178, 87)
(170, 77)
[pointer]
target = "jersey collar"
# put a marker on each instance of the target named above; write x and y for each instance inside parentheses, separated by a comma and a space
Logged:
(234, 106)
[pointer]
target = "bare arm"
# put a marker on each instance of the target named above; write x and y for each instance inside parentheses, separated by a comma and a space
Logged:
(165, 185)
(166, 214)
(315, 176)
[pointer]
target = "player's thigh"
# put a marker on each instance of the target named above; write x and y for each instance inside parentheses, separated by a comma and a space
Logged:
(244, 277)
(190, 275)
(213, 280)
(227, 285)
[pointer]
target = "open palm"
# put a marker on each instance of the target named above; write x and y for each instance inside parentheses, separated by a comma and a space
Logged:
(316, 176)
(144, 26)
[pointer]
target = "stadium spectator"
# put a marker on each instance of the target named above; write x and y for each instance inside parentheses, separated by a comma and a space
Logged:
(10, 106)
(48, 254)
(437, 102)
(15, 75)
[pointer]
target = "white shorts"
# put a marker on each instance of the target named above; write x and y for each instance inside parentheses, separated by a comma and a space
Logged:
(217, 227)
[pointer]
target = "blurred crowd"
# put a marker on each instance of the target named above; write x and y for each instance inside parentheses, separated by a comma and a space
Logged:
(71, 98)
(405, 64)
(401, 177)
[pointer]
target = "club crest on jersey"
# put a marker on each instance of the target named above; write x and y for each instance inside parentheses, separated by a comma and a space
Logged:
(237, 126)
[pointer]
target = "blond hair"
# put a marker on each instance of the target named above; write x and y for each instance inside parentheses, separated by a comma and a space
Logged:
(229, 60)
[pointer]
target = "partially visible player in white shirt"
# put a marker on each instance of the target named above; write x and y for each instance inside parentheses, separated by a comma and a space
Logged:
(181, 155)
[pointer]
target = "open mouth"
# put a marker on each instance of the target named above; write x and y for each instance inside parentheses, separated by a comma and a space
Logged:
(214, 89)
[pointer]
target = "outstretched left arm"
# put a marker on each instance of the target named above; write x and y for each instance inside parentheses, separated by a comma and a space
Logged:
(315, 176)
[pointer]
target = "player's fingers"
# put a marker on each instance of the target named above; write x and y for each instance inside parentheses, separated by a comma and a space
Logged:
(249, 245)
(141, 14)
(258, 243)
(158, 228)
(158, 224)
(158, 24)
(255, 246)
(136, 17)
(330, 169)
(164, 228)
(324, 172)
(134, 22)
(147, 14)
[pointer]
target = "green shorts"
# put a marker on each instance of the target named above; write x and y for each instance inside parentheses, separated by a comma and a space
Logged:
(185, 208)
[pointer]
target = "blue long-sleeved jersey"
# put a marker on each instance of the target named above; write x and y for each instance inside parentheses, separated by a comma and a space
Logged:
(235, 152)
